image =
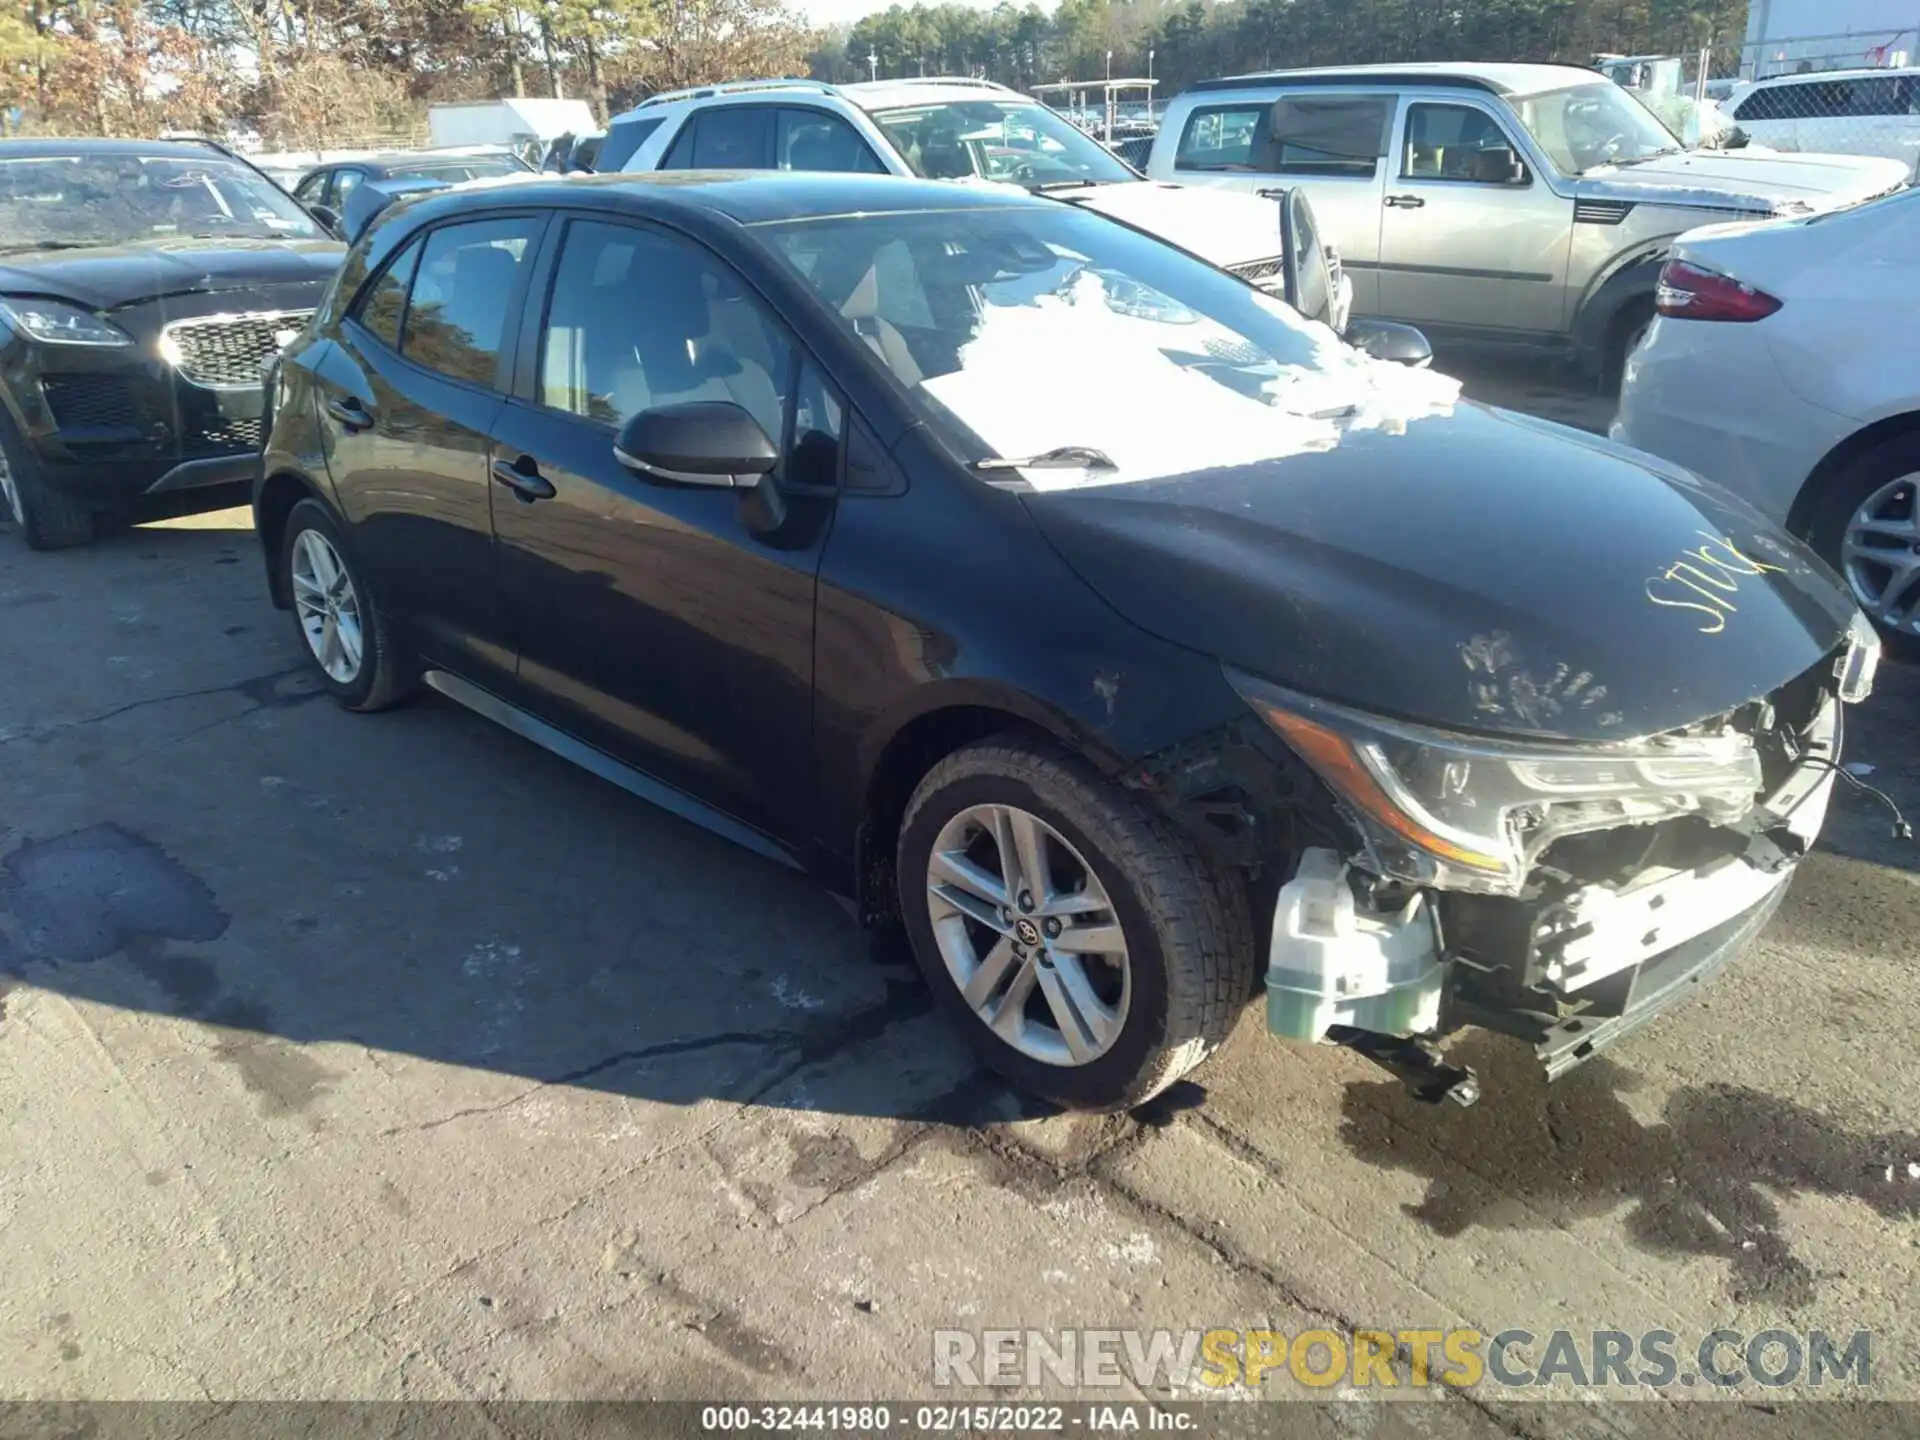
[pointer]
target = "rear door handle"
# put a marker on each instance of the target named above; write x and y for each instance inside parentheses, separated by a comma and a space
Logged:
(1404, 202)
(351, 414)
(529, 484)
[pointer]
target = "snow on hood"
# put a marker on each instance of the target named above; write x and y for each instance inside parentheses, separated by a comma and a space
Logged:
(1095, 366)
(1772, 183)
(1223, 226)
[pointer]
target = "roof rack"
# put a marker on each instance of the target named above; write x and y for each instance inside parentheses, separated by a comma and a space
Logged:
(959, 80)
(736, 87)
(1384, 75)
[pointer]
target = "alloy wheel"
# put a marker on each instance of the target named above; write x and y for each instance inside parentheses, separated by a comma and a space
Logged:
(1029, 935)
(328, 607)
(1880, 554)
(10, 492)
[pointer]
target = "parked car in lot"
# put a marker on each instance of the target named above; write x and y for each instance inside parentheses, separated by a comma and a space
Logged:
(143, 287)
(778, 501)
(949, 128)
(325, 188)
(1783, 365)
(1517, 204)
(1848, 112)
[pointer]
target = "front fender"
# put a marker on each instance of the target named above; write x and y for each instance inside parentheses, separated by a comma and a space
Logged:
(1631, 275)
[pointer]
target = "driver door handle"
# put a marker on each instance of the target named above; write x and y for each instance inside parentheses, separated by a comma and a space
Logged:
(1404, 202)
(521, 477)
(351, 414)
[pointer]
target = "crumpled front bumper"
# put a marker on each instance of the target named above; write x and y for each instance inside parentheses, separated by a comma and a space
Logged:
(1588, 966)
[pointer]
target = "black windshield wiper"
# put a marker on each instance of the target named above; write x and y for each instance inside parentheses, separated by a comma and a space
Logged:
(1065, 457)
(1050, 186)
(18, 246)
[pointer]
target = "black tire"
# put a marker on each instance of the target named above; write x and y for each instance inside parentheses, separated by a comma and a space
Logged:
(1622, 336)
(385, 676)
(49, 518)
(1188, 937)
(1842, 493)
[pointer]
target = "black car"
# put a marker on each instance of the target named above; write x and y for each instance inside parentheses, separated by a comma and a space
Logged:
(143, 287)
(326, 187)
(791, 503)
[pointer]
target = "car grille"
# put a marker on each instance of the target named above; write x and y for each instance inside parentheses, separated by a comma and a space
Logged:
(1259, 272)
(223, 437)
(82, 403)
(228, 351)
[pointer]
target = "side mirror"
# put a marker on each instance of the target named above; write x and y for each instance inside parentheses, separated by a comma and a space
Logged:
(1384, 340)
(327, 218)
(701, 442)
(1498, 165)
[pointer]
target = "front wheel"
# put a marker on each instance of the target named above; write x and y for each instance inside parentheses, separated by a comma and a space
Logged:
(48, 518)
(344, 634)
(1076, 936)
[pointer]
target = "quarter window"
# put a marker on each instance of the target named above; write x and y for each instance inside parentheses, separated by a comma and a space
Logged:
(638, 319)
(385, 302)
(1220, 138)
(463, 285)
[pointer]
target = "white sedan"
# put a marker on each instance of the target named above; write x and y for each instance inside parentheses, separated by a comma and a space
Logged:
(1783, 363)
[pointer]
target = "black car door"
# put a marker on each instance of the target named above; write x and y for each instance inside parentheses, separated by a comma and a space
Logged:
(670, 625)
(407, 398)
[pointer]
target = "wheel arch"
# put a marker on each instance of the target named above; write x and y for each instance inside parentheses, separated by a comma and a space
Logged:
(1628, 281)
(273, 502)
(1860, 442)
(896, 759)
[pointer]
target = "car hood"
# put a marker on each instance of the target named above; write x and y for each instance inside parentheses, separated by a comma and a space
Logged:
(112, 276)
(1479, 571)
(1774, 184)
(1222, 226)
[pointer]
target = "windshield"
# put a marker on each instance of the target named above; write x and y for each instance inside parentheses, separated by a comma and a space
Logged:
(467, 167)
(1012, 140)
(1025, 330)
(95, 199)
(1592, 125)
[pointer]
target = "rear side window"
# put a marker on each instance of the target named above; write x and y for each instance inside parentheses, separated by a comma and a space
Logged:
(385, 302)
(1299, 135)
(817, 140)
(731, 137)
(462, 288)
(1344, 135)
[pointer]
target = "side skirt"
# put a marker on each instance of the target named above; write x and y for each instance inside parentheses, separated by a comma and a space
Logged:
(633, 781)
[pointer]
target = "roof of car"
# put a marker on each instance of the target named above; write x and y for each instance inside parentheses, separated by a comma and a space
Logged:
(1809, 77)
(749, 197)
(90, 145)
(930, 90)
(1499, 78)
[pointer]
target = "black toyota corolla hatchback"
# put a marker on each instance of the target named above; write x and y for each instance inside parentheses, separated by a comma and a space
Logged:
(143, 286)
(1119, 639)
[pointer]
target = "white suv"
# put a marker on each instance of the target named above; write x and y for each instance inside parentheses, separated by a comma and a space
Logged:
(1846, 112)
(972, 130)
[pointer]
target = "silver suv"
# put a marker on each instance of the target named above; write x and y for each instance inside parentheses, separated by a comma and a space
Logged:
(1505, 203)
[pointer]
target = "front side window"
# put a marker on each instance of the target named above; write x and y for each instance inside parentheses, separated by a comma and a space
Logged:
(1022, 330)
(1012, 140)
(639, 318)
(1456, 142)
(728, 137)
(1586, 126)
(817, 140)
(345, 182)
(462, 288)
(310, 188)
(89, 198)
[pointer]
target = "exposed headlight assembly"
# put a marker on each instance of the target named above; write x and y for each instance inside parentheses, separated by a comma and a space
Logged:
(1464, 812)
(54, 322)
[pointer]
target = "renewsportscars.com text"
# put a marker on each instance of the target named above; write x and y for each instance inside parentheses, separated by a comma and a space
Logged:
(1196, 1361)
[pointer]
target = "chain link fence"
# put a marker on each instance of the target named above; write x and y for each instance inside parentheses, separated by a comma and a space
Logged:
(1846, 93)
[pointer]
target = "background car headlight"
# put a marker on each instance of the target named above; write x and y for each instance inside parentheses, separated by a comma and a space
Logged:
(1465, 812)
(54, 322)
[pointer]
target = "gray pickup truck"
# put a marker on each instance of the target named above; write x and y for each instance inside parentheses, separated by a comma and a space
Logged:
(1516, 204)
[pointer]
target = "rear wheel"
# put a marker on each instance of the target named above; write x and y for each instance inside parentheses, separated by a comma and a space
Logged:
(343, 632)
(1866, 524)
(1076, 936)
(48, 519)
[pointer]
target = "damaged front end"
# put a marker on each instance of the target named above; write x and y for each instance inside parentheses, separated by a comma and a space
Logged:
(1561, 893)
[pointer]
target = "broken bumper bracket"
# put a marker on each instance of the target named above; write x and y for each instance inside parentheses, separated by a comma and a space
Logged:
(1413, 1063)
